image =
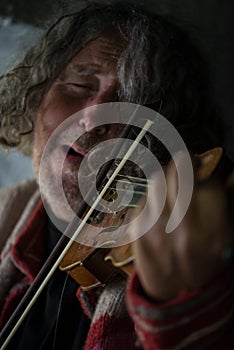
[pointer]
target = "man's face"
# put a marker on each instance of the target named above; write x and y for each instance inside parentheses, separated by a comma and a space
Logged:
(89, 79)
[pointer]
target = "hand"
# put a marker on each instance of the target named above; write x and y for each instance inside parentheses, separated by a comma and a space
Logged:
(191, 255)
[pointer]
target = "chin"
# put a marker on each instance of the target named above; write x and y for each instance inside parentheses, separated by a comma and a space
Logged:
(63, 209)
(63, 201)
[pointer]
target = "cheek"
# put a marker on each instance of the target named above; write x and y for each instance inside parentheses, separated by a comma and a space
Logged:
(51, 116)
(44, 128)
(40, 139)
(56, 109)
(45, 124)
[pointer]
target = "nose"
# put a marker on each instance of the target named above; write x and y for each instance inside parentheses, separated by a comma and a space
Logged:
(95, 117)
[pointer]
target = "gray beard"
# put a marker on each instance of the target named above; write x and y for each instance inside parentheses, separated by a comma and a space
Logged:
(62, 209)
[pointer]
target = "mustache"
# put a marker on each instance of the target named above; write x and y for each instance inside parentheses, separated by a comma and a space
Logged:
(88, 140)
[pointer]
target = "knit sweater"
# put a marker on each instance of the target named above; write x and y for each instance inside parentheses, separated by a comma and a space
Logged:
(121, 314)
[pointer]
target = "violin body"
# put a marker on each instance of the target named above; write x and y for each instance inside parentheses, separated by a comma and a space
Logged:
(92, 266)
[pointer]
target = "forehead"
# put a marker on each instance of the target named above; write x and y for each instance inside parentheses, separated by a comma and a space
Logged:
(102, 52)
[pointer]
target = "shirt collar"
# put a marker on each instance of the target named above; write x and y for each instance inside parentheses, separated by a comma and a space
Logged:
(28, 250)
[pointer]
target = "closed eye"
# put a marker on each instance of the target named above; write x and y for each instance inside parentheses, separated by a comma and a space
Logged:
(82, 86)
(83, 90)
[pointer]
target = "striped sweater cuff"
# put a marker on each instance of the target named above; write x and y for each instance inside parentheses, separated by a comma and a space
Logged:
(191, 321)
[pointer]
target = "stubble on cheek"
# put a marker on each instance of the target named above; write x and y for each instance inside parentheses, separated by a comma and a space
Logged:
(53, 181)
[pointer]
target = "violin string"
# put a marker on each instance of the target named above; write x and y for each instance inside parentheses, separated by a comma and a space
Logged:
(136, 179)
(133, 205)
(134, 183)
(142, 193)
(59, 310)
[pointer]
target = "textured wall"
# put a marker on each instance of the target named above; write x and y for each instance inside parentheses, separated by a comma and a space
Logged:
(32, 12)
(14, 37)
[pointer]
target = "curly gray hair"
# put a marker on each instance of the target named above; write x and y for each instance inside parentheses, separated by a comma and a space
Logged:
(160, 67)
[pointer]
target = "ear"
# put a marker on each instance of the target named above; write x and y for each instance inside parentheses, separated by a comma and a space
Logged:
(209, 161)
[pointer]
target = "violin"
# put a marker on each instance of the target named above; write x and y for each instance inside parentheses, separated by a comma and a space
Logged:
(92, 267)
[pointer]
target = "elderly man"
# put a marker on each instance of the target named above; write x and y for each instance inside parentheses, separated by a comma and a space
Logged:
(180, 295)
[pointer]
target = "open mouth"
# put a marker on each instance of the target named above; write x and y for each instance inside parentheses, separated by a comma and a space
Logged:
(73, 153)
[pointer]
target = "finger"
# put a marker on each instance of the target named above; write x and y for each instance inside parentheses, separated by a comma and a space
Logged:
(180, 182)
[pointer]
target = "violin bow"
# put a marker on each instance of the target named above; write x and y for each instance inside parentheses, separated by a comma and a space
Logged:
(63, 245)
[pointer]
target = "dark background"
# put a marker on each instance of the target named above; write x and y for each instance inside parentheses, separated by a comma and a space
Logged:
(212, 18)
